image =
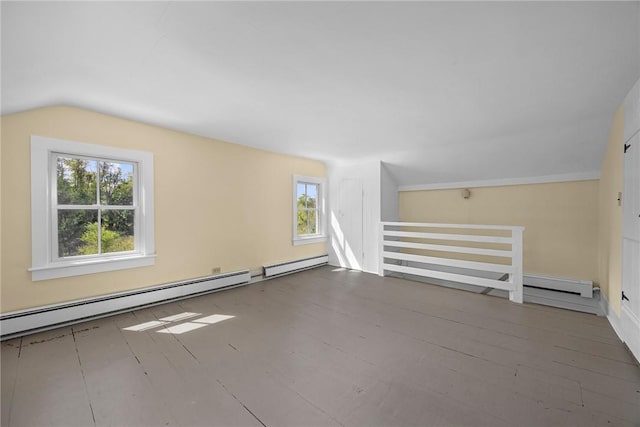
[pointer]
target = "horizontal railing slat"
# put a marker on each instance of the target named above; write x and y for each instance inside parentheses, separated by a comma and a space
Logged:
(426, 266)
(450, 262)
(480, 281)
(439, 225)
(446, 248)
(454, 237)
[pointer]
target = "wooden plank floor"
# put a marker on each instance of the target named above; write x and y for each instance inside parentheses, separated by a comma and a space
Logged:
(326, 348)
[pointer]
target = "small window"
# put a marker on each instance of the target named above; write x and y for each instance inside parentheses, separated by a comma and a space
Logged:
(308, 210)
(99, 215)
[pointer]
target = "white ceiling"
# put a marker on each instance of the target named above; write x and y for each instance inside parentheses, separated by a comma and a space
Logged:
(442, 92)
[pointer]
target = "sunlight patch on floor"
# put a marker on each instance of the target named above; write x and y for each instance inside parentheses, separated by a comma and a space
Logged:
(181, 316)
(181, 327)
(144, 326)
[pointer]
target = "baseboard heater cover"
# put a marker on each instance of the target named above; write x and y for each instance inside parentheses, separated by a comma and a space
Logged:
(584, 288)
(293, 266)
(577, 295)
(22, 322)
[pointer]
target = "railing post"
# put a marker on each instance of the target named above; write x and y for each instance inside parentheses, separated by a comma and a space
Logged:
(381, 250)
(516, 278)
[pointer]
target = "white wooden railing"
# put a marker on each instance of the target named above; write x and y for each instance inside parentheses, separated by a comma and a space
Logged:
(393, 239)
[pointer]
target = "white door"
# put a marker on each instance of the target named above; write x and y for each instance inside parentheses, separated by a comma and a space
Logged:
(630, 316)
(348, 237)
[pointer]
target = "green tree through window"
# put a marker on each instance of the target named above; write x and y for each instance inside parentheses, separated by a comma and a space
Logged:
(307, 208)
(95, 208)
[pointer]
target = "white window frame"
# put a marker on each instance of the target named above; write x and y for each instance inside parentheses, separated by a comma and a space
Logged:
(321, 235)
(45, 263)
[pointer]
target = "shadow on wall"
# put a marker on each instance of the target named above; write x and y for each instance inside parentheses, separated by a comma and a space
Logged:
(341, 247)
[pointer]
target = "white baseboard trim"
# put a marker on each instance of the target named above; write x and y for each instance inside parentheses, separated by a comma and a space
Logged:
(23, 322)
(273, 270)
(631, 331)
(611, 315)
(623, 326)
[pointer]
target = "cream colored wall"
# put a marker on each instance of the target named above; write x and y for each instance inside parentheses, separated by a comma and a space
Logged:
(216, 204)
(610, 215)
(560, 239)
(1, 208)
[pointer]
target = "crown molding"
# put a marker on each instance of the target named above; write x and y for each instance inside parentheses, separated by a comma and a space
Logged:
(545, 179)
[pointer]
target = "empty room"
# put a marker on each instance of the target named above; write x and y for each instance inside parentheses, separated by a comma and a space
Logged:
(340, 213)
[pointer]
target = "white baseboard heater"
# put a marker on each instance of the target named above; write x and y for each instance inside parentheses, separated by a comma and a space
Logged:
(27, 321)
(584, 288)
(293, 266)
(577, 295)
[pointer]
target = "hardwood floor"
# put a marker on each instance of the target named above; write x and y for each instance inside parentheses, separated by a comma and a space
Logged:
(326, 347)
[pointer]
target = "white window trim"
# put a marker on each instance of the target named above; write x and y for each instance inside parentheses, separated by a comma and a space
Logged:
(43, 265)
(321, 236)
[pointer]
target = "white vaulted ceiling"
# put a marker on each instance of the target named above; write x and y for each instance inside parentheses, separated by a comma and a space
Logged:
(440, 91)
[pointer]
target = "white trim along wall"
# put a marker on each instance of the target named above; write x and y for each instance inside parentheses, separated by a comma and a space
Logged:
(546, 179)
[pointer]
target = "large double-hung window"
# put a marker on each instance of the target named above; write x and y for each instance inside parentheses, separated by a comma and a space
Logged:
(95, 212)
(92, 208)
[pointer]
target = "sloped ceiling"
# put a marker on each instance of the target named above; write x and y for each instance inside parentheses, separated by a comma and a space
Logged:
(441, 92)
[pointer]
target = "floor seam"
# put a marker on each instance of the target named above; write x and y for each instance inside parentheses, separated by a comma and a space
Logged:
(240, 402)
(15, 382)
(84, 380)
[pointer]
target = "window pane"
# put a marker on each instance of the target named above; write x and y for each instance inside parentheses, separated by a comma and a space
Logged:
(307, 221)
(76, 181)
(117, 230)
(313, 222)
(77, 232)
(302, 196)
(116, 183)
(302, 221)
(300, 190)
(312, 195)
(312, 190)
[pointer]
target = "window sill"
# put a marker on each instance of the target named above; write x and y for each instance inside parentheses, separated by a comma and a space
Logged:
(309, 240)
(77, 268)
